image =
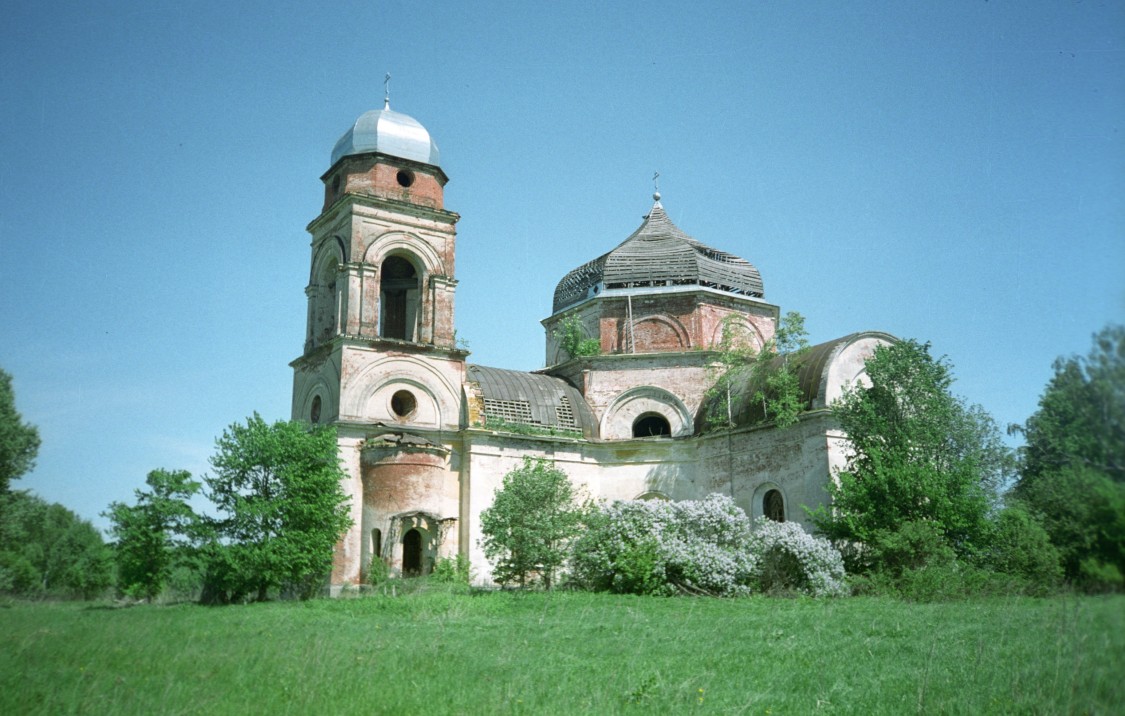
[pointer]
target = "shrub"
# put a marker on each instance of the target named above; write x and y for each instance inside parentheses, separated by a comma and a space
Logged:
(791, 560)
(377, 572)
(452, 570)
(700, 547)
(622, 548)
(913, 545)
(534, 517)
(1019, 546)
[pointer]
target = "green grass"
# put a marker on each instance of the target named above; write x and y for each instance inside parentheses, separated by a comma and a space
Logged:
(436, 652)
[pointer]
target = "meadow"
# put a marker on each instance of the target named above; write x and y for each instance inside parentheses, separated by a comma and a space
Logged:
(440, 651)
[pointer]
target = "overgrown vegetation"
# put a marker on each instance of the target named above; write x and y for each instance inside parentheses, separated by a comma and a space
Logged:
(506, 426)
(768, 372)
(570, 335)
(924, 468)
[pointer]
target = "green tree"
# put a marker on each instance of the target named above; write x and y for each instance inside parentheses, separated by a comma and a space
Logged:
(769, 373)
(918, 455)
(154, 534)
(47, 550)
(568, 332)
(278, 491)
(1072, 468)
(531, 522)
(19, 441)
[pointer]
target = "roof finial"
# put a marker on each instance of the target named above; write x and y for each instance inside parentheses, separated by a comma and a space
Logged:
(387, 91)
(656, 187)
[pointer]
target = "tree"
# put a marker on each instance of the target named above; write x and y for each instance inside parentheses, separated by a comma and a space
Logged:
(282, 509)
(918, 455)
(528, 528)
(47, 550)
(1072, 468)
(569, 334)
(154, 532)
(768, 373)
(19, 441)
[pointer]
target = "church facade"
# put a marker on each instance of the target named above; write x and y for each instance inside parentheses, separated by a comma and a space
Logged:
(425, 436)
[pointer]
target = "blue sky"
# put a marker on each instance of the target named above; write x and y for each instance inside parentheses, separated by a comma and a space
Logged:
(948, 171)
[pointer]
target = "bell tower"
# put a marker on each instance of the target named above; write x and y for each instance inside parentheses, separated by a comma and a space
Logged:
(379, 353)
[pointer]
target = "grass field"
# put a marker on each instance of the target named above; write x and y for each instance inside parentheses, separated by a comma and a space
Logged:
(437, 652)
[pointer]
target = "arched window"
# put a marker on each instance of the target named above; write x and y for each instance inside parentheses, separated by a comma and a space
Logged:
(650, 425)
(773, 506)
(412, 553)
(314, 411)
(398, 299)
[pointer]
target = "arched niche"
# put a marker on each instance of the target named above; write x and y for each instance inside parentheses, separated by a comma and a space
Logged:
(638, 403)
(324, 292)
(654, 334)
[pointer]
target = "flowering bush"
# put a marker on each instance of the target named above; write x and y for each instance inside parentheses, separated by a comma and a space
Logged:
(651, 547)
(699, 547)
(790, 559)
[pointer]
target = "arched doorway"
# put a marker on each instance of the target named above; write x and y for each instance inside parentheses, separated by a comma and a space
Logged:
(398, 299)
(412, 553)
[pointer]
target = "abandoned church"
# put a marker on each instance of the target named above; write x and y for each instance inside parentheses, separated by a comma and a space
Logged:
(425, 437)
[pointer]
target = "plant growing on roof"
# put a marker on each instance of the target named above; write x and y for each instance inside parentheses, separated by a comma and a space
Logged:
(568, 331)
(769, 372)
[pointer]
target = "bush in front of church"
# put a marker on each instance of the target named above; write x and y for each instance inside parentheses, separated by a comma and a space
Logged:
(792, 560)
(700, 547)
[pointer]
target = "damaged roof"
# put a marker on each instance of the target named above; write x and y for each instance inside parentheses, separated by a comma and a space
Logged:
(533, 399)
(658, 253)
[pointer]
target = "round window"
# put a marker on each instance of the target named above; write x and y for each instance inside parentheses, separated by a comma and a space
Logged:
(405, 178)
(403, 403)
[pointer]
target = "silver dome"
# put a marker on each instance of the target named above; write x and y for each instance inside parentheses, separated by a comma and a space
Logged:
(388, 132)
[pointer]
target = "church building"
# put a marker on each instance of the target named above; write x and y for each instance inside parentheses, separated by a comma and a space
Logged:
(425, 436)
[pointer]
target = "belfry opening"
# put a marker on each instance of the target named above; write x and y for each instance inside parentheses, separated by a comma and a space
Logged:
(398, 296)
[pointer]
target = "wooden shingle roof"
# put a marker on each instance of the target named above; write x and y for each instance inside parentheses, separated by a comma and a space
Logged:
(658, 253)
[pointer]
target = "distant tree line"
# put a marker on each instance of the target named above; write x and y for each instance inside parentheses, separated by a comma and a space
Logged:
(278, 509)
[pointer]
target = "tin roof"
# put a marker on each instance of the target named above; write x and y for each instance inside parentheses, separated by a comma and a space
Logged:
(388, 132)
(534, 399)
(658, 253)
